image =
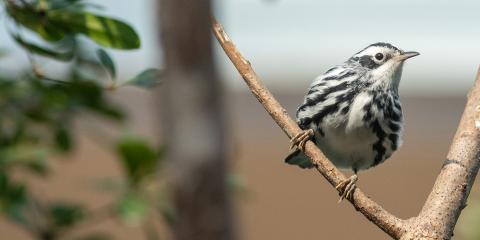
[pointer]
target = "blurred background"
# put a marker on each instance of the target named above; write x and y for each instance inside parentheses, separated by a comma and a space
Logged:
(289, 43)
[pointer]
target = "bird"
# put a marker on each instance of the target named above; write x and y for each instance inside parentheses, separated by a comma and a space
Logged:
(353, 113)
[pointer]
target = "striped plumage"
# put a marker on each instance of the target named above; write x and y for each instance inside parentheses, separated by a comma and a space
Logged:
(354, 109)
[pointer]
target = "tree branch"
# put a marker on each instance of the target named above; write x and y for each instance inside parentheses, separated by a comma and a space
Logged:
(449, 194)
(390, 224)
(451, 189)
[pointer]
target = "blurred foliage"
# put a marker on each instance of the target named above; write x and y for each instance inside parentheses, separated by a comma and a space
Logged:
(38, 113)
(139, 160)
(146, 79)
(95, 236)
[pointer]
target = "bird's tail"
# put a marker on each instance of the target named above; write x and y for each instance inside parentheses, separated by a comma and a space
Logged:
(300, 159)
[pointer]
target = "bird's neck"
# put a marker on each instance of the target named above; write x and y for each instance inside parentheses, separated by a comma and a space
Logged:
(387, 77)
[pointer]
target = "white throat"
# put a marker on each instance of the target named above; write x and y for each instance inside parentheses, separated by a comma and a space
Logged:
(387, 76)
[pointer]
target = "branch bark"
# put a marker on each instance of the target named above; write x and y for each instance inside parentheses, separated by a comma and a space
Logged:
(449, 195)
(441, 210)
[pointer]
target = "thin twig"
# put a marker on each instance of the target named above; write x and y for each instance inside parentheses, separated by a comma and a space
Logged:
(373, 211)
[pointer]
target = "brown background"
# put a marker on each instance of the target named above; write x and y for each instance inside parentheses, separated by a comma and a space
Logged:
(280, 201)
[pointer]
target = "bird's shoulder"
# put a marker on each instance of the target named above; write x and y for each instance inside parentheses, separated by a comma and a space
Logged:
(341, 72)
(337, 76)
(329, 93)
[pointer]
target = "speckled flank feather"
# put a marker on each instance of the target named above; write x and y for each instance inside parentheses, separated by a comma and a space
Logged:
(355, 110)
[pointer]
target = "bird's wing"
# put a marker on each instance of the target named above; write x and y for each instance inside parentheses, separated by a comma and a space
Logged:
(325, 94)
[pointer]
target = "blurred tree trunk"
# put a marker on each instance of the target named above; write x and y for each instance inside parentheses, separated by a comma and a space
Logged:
(193, 124)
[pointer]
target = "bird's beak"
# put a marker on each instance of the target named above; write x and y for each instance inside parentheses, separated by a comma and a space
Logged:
(406, 55)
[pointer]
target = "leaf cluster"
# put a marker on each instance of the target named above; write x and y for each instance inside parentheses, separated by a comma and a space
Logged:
(38, 114)
(55, 28)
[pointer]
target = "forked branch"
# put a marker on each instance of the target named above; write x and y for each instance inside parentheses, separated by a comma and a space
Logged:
(457, 175)
(449, 194)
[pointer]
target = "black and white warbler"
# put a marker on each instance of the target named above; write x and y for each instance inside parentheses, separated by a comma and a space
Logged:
(353, 112)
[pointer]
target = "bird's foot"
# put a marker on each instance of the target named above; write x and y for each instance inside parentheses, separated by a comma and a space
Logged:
(299, 141)
(347, 187)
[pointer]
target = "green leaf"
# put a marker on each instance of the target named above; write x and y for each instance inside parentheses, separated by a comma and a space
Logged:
(138, 158)
(108, 32)
(146, 79)
(66, 214)
(12, 199)
(107, 62)
(44, 51)
(54, 24)
(35, 20)
(63, 140)
(91, 96)
(133, 208)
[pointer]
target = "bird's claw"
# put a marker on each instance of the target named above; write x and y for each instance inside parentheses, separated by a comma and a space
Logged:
(299, 140)
(347, 188)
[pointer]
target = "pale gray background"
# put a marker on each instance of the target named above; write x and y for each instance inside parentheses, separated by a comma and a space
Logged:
(289, 42)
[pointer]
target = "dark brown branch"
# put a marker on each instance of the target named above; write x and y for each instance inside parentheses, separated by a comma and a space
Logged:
(373, 211)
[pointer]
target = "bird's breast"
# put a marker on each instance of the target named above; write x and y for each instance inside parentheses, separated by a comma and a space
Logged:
(367, 135)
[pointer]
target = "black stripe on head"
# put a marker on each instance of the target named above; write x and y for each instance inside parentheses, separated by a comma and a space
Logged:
(380, 44)
(386, 45)
(367, 62)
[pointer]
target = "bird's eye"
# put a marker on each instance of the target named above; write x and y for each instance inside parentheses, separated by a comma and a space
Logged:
(379, 56)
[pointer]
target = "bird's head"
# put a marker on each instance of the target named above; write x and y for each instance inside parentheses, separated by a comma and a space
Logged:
(383, 63)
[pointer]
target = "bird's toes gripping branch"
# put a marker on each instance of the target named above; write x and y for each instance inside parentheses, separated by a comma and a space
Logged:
(347, 187)
(299, 140)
